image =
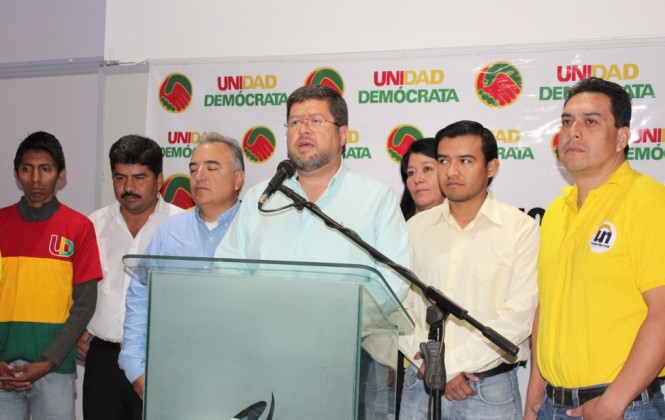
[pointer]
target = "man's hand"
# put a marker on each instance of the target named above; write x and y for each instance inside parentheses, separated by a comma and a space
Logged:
(83, 345)
(458, 388)
(535, 391)
(597, 408)
(138, 385)
(535, 395)
(9, 379)
(421, 371)
(21, 378)
(33, 371)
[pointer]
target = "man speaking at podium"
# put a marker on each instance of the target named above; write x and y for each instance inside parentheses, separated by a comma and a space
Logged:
(317, 128)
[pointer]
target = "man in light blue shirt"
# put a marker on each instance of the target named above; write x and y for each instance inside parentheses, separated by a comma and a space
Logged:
(317, 130)
(217, 173)
(316, 135)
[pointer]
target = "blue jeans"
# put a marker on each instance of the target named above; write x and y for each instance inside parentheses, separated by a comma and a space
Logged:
(647, 409)
(497, 397)
(377, 390)
(51, 397)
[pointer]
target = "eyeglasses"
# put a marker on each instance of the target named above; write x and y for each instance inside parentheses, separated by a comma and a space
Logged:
(317, 121)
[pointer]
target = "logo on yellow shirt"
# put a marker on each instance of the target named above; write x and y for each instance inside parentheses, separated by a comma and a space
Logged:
(603, 239)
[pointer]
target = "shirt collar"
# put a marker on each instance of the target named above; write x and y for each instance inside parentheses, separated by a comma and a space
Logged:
(223, 218)
(333, 185)
(620, 176)
(37, 214)
(489, 210)
(159, 208)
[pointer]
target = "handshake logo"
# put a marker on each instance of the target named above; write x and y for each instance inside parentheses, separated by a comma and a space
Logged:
(400, 139)
(258, 144)
(175, 93)
(499, 84)
(328, 77)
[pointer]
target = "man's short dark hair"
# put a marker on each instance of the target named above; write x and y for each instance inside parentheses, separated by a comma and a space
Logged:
(44, 142)
(137, 150)
(465, 128)
(619, 99)
(335, 101)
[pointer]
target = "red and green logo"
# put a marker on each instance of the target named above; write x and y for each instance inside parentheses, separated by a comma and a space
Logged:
(175, 93)
(176, 191)
(400, 139)
(328, 77)
(499, 84)
(61, 246)
(258, 144)
(555, 146)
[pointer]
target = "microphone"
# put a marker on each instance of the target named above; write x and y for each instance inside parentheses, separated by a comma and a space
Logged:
(285, 169)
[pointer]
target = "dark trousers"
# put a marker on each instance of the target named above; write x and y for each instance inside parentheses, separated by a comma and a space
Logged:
(107, 393)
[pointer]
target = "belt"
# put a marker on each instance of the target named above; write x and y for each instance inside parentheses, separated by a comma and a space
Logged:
(103, 343)
(502, 368)
(563, 397)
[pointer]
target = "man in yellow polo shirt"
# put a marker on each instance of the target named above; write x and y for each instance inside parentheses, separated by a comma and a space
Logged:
(599, 334)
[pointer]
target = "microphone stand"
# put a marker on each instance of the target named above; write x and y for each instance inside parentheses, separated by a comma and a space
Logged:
(442, 306)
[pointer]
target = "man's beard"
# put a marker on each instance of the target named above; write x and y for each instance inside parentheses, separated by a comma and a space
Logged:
(312, 163)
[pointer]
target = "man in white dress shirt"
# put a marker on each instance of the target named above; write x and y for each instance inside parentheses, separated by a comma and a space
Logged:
(482, 254)
(124, 227)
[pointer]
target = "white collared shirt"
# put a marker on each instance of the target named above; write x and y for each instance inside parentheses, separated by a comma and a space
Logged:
(488, 268)
(115, 241)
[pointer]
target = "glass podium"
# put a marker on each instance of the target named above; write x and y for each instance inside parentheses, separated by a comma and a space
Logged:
(246, 339)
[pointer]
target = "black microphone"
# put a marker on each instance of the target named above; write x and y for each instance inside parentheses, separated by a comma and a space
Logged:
(285, 169)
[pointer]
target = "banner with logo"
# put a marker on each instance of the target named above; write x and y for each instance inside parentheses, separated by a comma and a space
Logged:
(395, 98)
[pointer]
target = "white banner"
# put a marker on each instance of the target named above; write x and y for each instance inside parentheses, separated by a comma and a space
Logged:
(394, 98)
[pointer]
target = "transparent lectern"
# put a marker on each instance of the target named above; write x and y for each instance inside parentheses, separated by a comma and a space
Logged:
(245, 339)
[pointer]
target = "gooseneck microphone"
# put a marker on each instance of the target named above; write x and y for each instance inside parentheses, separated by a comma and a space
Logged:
(285, 169)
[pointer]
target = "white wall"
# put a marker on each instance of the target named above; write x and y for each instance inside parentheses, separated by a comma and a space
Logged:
(47, 30)
(65, 106)
(136, 31)
(31, 32)
(124, 106)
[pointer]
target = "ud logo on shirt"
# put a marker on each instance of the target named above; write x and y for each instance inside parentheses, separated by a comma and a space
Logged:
(61, 246)
(603, 239)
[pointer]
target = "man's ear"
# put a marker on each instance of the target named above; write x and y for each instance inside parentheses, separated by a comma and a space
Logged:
(492, 167)
(623, 137)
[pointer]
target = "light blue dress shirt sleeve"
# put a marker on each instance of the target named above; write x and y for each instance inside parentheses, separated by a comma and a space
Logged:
(132, 356)
(181, 235)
